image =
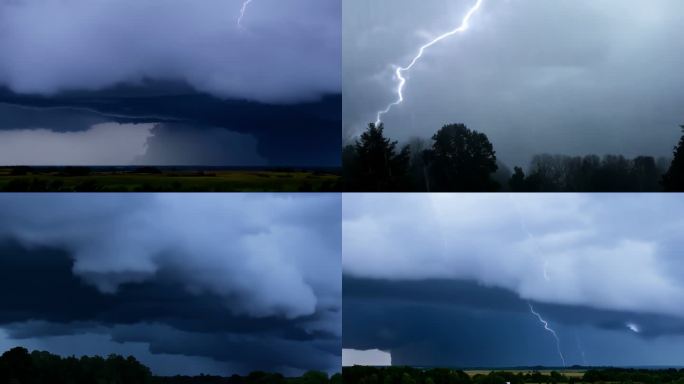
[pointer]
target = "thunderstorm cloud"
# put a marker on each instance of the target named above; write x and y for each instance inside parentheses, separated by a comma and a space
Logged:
(448, 279)
(78, 44)
(265, 93)
(568, 77)
(222, 283)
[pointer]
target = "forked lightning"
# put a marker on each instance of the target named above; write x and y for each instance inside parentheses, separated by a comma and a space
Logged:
(242, 12)
(551, 331)
(399, 72)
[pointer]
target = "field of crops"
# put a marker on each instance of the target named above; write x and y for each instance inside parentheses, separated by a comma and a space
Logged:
(168, 181)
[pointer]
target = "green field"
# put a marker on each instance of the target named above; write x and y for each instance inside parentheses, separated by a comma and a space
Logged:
(522, 375)
(85, 180)
(569, 373)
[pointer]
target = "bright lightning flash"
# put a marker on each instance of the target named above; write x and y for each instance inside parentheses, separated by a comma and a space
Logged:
(399, 72)
(551, 331)
(242, 12)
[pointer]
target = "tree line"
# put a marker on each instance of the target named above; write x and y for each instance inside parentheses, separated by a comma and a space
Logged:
(458, 159)
(410, 375)
(18, 366)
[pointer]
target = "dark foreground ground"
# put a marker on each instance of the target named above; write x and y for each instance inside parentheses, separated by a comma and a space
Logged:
(575, 375)
(19, 366)
(166, 179)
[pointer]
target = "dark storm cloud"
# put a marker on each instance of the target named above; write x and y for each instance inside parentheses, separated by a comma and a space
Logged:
(460, 323)
(216, 278)
(173, 144)
(284, 51)
(439, 279)
(19, 117)
(276, 80)
(305, 134)
(572, 77)
(476, 297)
(563, 249)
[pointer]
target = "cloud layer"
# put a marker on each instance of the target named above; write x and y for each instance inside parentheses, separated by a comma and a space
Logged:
(599, 251)
(284, 53)
(203, 275)
(571, 77)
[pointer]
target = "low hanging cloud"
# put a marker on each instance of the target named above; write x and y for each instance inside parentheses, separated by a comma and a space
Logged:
(285, 52)
(248, 281)
(206, 132)
(173, 144)
(597, 251)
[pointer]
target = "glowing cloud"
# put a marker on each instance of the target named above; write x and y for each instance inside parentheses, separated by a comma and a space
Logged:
(633, 327)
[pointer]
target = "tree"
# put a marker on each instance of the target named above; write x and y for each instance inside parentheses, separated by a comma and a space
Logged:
(517, 182)
(418, 169)
(461, 160)
(673, 180)
(314, 377)
(19, 364)
(374, 164)
(407, 379)
(646, 174)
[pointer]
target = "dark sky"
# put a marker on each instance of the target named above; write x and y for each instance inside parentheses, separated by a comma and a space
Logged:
(448, 279)
(169, 77)
(563, 76)
(215, 284)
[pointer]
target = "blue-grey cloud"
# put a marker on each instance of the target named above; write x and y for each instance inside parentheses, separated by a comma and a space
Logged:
(285, 52)
(446, 280)
(184, 275)
(570, 77)
(568, 249)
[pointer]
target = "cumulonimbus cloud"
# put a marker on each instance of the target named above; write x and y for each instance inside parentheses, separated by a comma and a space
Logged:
(287, 52)
(604, 251)
(269, 255)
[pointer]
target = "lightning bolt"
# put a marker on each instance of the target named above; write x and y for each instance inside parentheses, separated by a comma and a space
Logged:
(242, 12)
(551, 331)
(399, 72)
(525, 228)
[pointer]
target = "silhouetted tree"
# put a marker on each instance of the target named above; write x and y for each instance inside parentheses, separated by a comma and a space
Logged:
(375, 165)
(418, 169)
(461, 160)
(673, 180)
(558, 173)
(517, 182)
(646, 174)
(313, 377)
(18, 365)
(336, 378)
(407, 379)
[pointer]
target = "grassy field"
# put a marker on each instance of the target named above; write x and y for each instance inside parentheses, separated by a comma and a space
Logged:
(85, 180)
(565, 372)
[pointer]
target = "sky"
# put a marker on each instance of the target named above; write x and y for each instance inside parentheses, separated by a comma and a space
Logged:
(180, 64)
(563, 77)
(188, 284)
(453, 279)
